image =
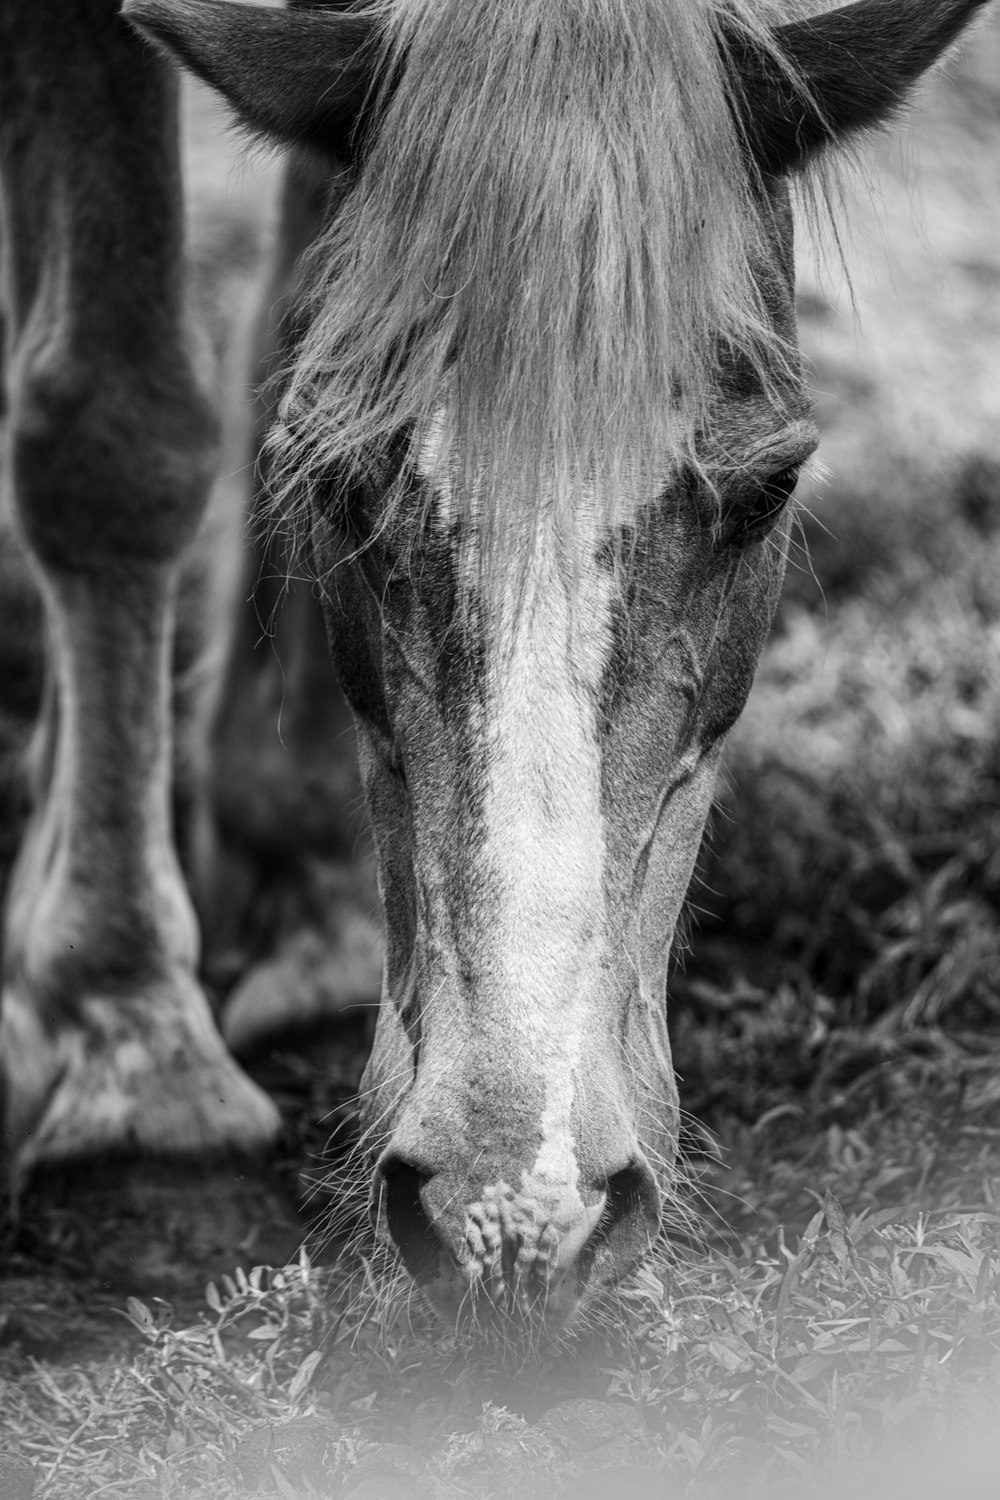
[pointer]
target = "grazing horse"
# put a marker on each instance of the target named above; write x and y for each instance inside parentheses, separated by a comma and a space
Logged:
(538, 420)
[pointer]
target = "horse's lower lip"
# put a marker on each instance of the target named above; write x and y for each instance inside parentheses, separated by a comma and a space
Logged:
(516, 1318)
(523, 1302)
(521, 1261)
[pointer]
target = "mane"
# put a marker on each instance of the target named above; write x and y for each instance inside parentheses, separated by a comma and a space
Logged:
(553, 225)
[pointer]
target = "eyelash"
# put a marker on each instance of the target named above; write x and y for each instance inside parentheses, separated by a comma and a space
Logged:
(747, 521)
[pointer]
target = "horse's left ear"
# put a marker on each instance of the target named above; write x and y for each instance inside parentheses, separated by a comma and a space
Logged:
(299, 76)
(848, 70)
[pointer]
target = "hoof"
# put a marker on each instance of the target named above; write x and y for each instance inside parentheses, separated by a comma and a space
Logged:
(160, 1227)
(143, 1078)
(316, 975)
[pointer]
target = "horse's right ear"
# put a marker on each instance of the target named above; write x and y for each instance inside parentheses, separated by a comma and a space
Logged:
(836, 73)
(299, 76)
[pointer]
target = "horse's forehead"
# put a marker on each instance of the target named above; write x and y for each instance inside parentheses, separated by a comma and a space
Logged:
(752, 435)
(542, 613)
(436, 468)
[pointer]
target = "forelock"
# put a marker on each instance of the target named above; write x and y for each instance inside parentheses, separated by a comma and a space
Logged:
(554, 232)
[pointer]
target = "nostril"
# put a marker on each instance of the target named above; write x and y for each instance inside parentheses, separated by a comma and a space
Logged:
(632, 1190)
(407, 1220)
(628, 1224)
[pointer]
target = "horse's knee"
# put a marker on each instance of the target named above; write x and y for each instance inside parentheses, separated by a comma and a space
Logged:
(111, 459)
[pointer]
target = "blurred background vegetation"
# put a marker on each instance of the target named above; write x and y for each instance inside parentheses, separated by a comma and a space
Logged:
(845, 952)
(831, 1292)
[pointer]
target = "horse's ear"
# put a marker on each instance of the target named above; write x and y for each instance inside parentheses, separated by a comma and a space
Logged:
(847, 70)
(300, 76)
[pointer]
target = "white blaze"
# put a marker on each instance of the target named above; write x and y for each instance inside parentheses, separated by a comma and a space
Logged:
(544, 830)
(544, 835)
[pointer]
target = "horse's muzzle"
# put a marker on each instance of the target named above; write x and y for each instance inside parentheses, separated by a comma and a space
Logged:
(524, 1260)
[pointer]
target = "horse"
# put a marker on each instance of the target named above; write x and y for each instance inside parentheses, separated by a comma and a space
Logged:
(536, 417)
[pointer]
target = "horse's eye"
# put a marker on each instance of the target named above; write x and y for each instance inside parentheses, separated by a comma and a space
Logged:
(755, 514)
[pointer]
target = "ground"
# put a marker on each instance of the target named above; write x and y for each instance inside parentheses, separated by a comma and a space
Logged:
(829, 1298)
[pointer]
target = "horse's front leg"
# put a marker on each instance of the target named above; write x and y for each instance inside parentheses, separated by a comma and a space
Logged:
(282, 862)
(107, 1044)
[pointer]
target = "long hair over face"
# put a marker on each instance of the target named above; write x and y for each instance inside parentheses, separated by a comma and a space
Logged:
(553, 227)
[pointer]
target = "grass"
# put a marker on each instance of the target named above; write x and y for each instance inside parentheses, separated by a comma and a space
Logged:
(835, 1025)
(779, 1361)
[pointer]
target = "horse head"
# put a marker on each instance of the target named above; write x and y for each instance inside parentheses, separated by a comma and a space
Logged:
(545, 418)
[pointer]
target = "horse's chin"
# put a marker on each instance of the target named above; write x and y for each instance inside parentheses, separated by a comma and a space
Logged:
(506, 1323)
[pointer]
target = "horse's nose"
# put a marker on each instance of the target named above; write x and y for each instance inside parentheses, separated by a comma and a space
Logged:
(469, 1246)
(400, 1197)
